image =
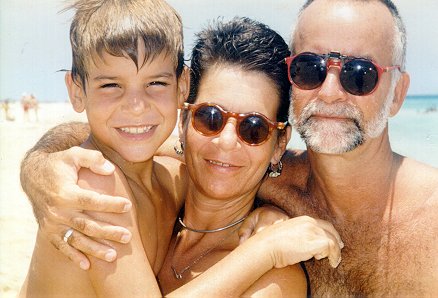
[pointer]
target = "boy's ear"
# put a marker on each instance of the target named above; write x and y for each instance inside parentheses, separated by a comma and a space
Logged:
(183, 86)
(281, 144)
(75, 93)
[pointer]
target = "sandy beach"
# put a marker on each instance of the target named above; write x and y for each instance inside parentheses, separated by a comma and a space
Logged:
(17, 224)
(18, 227)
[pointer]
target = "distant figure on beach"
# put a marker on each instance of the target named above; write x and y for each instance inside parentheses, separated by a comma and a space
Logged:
(431, 109)
(29, 101)
(6, 110)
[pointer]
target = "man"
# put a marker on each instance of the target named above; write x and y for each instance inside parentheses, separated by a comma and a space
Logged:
(383, 204)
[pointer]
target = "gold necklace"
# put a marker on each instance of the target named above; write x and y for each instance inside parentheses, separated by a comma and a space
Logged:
(179, 275)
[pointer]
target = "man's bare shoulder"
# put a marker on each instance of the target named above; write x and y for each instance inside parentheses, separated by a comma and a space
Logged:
(418, 181)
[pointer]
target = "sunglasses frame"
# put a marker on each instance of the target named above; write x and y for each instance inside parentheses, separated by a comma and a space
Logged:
(336, 59)
(238, 116)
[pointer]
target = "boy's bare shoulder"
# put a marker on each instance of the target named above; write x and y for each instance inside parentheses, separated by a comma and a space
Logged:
(172, 175)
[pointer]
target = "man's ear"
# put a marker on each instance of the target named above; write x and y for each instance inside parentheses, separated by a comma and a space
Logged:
(183, 86)
(281, 144)
(400, 93)
(75, 93)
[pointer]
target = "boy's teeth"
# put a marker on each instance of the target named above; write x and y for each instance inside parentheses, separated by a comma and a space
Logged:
(219, 163)
(136, 129)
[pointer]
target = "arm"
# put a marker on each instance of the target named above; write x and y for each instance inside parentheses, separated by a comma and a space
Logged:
(49, 178)
(131, 275)
(291, 187)
(285, 282)
(275, 247)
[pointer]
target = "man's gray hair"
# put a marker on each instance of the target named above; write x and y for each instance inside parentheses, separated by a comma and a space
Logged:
(399, 42)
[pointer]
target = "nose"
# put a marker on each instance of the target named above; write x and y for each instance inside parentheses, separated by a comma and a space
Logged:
(228, 139)
(136, 102)
(331, 89)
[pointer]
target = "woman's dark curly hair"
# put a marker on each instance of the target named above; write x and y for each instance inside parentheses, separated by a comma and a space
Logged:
(248, 44)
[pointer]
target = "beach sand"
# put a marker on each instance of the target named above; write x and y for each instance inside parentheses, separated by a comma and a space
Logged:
(17, 224)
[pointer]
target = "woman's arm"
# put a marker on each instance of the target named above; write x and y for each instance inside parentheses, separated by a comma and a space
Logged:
(287, 243)
(289, 281)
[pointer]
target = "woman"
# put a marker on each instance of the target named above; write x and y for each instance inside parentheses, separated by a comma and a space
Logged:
(235, 68)
(234, 127)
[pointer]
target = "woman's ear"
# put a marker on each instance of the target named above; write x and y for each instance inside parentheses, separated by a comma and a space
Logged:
(281, 144)
(75, 93)
(183, 85)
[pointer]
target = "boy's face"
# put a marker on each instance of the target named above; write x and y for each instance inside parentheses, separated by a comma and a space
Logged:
(131, 111)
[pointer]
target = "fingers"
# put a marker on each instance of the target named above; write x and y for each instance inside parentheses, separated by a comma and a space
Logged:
(79, 246)
(91, 159)
(328, 248)
(73, 254)
(327, 226)
(91, 247)
(330, 243)
(83, 199)
(100, 230)
(247, 228)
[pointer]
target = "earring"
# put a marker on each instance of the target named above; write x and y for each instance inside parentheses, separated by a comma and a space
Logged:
(275, 170)
(179, 147)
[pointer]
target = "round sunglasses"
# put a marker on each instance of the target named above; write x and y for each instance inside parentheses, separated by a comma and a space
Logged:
(358, 76)
(253, 129)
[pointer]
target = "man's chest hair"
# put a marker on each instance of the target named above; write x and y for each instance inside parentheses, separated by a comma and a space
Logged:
(379, 259)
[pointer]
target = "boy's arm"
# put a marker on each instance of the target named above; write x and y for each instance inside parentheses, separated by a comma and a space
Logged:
(49, 178)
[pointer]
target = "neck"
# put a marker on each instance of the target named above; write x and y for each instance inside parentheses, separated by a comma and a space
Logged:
(139, 172)
(355, 182)
(203, 212)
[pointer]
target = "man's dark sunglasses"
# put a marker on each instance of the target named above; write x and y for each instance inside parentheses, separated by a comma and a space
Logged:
(358, 76)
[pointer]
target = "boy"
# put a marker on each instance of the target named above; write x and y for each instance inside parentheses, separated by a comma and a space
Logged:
(128, 76)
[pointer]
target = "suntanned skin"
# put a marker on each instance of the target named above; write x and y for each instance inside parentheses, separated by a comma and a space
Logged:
(156, 214)
(384, 205)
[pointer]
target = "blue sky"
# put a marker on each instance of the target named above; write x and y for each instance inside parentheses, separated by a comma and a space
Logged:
(34, 39)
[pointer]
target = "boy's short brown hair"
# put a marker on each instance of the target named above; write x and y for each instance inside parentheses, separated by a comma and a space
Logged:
(117, 27)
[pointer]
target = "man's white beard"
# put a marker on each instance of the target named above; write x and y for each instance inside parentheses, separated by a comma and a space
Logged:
(340, 136)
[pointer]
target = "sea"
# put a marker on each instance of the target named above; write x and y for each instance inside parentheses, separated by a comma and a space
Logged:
(413, 132)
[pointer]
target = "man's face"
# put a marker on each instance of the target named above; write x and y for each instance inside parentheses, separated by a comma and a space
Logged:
(329, 119)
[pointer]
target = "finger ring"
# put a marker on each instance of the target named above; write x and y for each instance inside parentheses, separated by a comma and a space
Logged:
(67, 235)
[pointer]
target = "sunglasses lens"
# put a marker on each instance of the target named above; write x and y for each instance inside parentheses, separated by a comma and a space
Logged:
(208, 120)
(359, 77)
(308, 71)
(254, 130)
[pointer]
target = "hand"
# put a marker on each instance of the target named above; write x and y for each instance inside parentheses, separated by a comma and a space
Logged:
(259, 219)
(300, 239)
(58, 201)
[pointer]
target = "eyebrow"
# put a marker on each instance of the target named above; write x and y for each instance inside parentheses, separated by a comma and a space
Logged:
(156, 76)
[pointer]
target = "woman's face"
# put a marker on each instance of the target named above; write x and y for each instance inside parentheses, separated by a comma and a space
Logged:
(222, 166)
